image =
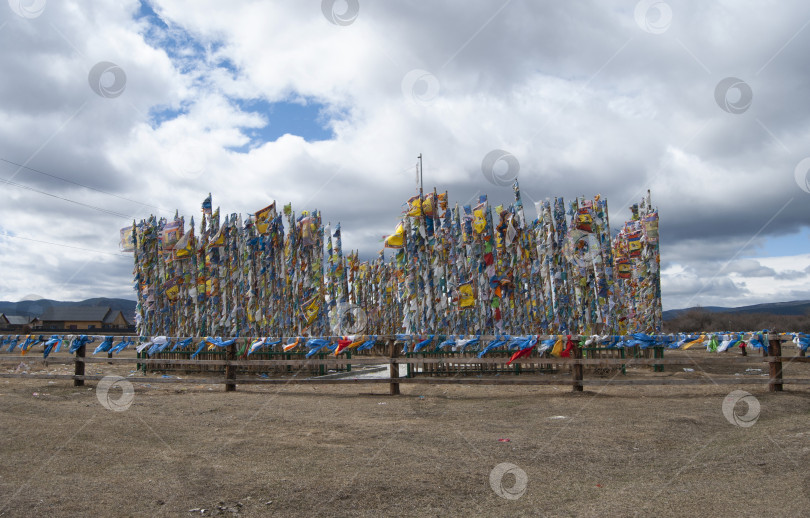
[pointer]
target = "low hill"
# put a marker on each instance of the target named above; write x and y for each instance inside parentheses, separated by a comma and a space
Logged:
(35, 308)
(792, 308)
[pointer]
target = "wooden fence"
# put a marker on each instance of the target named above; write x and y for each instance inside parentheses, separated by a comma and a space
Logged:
(226, 366)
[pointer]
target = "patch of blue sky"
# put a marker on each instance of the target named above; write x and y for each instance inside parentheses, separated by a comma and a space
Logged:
(778, 246)
(145, 11)
(188, 54)
(306, 119)
(185, 51)
(227, 64)
(159, 115)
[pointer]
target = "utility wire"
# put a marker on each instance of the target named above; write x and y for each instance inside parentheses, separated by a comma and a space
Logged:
(106, 211)
(66, 246)
(83, 185)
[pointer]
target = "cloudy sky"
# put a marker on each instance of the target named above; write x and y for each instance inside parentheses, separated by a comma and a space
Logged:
(111, 111)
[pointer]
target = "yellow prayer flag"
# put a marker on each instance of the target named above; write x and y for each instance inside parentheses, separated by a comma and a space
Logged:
(397, 239)
(127, 239)
(466, 297)
(558, 348)
(479, 218)
(264, 217)
(695, 342)
(185, 246)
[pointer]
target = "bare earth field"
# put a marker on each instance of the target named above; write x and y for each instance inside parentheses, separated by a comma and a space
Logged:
(438, 450)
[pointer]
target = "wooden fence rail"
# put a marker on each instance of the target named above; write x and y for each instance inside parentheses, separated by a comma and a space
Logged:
(426, 381)
(228, 366)
(332, 362)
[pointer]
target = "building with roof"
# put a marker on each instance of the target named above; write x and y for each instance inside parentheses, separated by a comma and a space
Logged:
(14, 322)
(69, 318)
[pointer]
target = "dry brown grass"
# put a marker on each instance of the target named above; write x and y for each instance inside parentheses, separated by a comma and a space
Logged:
(699, 320)
(298, 450)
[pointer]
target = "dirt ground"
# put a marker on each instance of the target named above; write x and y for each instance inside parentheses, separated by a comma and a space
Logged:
(438, 450)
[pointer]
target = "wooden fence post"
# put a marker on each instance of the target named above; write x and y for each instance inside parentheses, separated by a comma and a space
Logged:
(775, 349)
(230, 370)
(78, 368)
(393, 368)
(577, 369)
(658, 353)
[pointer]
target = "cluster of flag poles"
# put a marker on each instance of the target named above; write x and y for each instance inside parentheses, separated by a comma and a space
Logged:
(475, 269)
(469, 270)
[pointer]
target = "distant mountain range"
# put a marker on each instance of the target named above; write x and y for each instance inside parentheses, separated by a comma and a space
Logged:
(35, 308)
(795, 307)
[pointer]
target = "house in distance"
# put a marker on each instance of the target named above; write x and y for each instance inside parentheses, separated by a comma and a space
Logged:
(15, 322)
(83, 318)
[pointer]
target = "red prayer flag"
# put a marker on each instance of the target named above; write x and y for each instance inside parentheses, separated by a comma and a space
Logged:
(520, 354)
(342, 344)
(566, 353)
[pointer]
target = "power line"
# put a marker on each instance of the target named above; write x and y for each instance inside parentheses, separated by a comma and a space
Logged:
(107, 211)
(22, 166)
(63, 245)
